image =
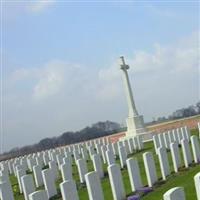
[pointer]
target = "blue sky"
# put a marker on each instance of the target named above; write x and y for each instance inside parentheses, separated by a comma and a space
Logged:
(60, 68)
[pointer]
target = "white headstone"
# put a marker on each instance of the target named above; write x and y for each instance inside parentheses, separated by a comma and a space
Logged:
(45, 159)
(198, 124)
(115, 148)
(38, 195)
(125, 142)
(122, 156)
(135, 142)
(67, 159)
(48, 179)
(131, 145)
(76, 155)
(94, 186)
(166, 140)
(82, 169)
(84, 153)
(186, 152)
(28, 186)
(103, 153)
(116, 182)
(187, 131)
(197, 185)
(161, 140)
(5, 191)
(20, 173)
(134, 174)
(175, 156)
(91, 151)
(176, 193)
(150, 168)
(37, 172)
(195, 148)
(59, 159)
(164, 163)
(31, 162)
(98, 149)
(67, 186)
(156, 142)
(4, 177)
(97, 163)
(39, 160)
(110, 157)
(175, 135)
(53, 166)
(180, 136)
(140, 142)
(66, 171)
(171, 136)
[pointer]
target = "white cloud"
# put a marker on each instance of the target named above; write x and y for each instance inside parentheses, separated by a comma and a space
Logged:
(50, 82)
(41, 5)
(161, 11)
(49, 79)
(182, 55)
(181, 58)
(13, 9)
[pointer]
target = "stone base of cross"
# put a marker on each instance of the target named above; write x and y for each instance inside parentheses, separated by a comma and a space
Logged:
(135, 125)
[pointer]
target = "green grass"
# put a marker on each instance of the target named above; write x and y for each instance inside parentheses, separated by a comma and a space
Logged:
(184, 179)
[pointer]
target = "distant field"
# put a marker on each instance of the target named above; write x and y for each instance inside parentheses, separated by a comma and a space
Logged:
(184, 178)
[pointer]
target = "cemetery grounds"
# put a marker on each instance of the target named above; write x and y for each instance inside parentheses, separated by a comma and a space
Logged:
(184, 178)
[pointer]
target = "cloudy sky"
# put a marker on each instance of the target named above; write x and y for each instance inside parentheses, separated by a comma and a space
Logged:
(60, 68)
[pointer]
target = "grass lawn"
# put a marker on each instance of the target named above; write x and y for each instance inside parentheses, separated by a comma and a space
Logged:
(184, 179)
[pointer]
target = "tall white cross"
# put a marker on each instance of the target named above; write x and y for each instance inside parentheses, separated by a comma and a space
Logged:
(129, 95)
(135, 122)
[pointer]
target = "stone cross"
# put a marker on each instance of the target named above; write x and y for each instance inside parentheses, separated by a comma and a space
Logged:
(135, 123)
(131, 104)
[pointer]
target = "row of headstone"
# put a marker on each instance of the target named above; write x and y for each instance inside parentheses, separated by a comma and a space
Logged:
(61, 159)
(43, 158)
(99, 153)
(171, 136)
(94, 188)
(26, 182)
